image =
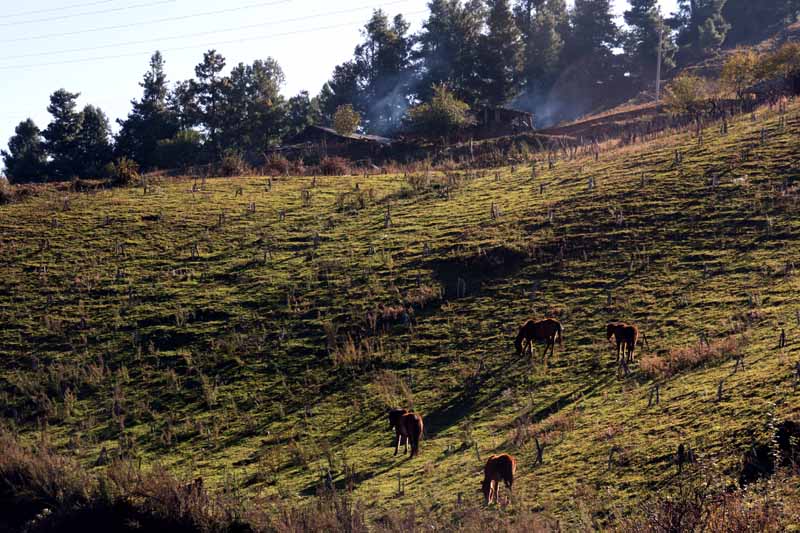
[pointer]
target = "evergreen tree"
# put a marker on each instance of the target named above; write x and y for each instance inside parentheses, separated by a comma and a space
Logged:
(61, 135)
(25, 159)
(301, 112)
(752, 21)
(150, 120)
(594, 33)
(208, 91)
(449, 48)
(343, 88)
(701, 26)
(647, 30)
(501, 54)
(543, 50)
(253, 106)
(383, 64)
(93, 144)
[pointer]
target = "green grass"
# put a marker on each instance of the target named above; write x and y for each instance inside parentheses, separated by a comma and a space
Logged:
(220, 364)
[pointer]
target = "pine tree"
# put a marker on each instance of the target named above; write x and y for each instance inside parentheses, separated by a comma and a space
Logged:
(594, 32)
(383, 63)
(501, 54)
(93, 142)
(647, 30)
(301, 112)
(752, 21)
(701, 26)
(25, 159)
(150, 120)
(449, 47)
(543, 51)
(61, 135)
(253, 107)
(208, 90)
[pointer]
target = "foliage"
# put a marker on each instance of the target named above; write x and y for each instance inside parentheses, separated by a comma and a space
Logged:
(686, 93)
(150, 121)
(124, 171)
(501, 53)
(346, 120)
(25, 159)
(641, 42)
(181, 151)
(740, 71)
(443, 115)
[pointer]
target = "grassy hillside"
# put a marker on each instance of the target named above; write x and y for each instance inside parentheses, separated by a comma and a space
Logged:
(251, 330)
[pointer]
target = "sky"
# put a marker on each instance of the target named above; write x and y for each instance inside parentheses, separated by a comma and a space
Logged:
(101, 48)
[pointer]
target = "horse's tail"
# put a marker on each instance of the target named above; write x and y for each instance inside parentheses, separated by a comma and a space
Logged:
(416, 435)
(560, 334)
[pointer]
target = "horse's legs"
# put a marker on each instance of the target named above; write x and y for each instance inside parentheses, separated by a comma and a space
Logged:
(397, 443)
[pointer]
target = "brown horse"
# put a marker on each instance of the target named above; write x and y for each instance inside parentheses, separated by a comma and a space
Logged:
(626, 335)
(498, 467)
(407, 426)
(547, 331)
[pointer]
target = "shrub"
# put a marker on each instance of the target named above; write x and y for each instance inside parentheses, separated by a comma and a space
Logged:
(689, 357)
(276, 165)
(442, 116)
(346, 120)
(124, 171)
(686, 93)
(6, 192)
(233, 164)
(334, 166)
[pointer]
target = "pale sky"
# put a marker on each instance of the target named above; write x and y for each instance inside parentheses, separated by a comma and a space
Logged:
(101, 48)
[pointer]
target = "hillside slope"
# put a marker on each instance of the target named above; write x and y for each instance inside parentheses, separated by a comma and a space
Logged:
(251, 331)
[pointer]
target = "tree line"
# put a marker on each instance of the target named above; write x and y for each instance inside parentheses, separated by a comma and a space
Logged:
(535, 55)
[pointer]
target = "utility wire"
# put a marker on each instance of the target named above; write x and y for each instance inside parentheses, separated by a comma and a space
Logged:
(54, 9)
(190, 47)
(147, 22)
(87, 13)
(201, 34)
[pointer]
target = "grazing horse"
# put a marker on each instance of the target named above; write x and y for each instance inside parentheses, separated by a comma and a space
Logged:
(407, 426)
(498, 467)
(547, 331)
(626, 335)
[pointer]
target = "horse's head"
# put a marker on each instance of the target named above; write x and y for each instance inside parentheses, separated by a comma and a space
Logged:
(486, 488)
(394, 417)
(611, 329)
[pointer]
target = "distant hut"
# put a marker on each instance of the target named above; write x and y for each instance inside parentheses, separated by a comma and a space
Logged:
(499, 121)
(327, 142)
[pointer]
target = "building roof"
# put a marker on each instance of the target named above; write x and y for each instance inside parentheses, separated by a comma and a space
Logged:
(353, 136)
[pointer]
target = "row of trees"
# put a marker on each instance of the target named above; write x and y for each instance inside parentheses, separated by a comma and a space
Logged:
(537, 55)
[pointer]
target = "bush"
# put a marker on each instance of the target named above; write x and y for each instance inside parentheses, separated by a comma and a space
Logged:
(686, 93)
(276, 165)
(443, 115)
(6, 192)
(334, 166)
(123, 171)
(233, 164)
(689, 357)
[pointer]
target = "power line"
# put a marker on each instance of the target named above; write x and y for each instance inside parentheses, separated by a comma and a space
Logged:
(88, 13)
(204, 33)
(54, 9)
(155, 21)
(190, 47)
